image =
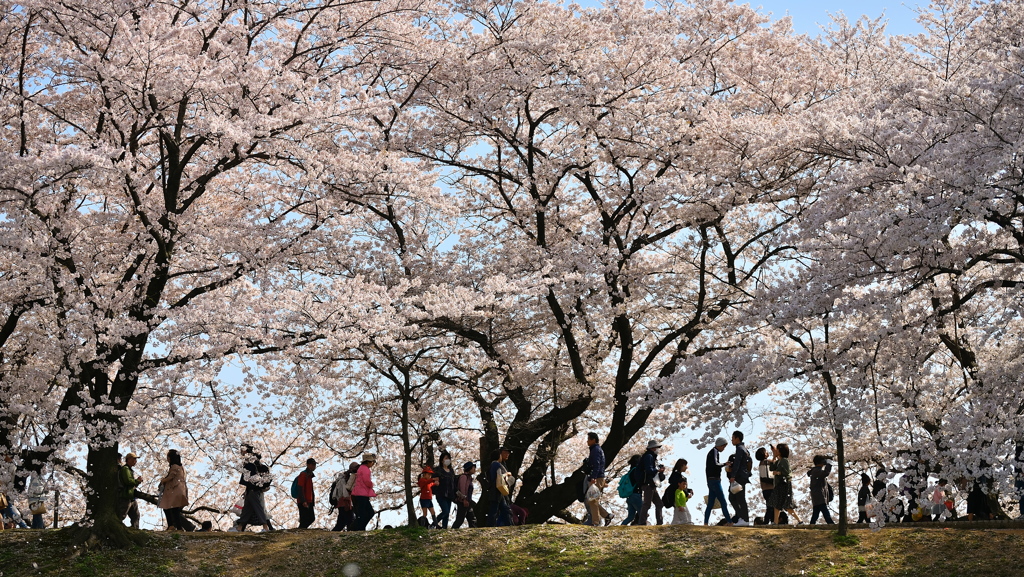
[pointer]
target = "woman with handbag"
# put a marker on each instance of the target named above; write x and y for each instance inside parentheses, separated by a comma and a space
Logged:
(174, 492)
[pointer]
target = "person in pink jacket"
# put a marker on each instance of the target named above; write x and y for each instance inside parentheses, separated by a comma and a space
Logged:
(362, 491)
(174, 492)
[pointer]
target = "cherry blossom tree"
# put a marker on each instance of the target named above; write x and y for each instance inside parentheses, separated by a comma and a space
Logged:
(168, 171)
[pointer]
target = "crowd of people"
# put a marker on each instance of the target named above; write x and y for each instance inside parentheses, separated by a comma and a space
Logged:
(352, 491)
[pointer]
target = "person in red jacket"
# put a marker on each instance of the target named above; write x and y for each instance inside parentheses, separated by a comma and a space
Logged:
(305, 501)
(427, 481)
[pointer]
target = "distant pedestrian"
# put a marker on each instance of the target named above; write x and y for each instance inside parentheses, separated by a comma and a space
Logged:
(767, 480)
(426, 483)
(681, 497)
(819, 488)
(342, 497)
(362, 492)
(596, 482)
(256, 480)
(500, 490)
(739, 473)
(306, 495)
(649, 487)
(445, 490)
(863, 496)
(782, 494)
(464, 497)
(174, 492)
(127, 482)
(713, 469)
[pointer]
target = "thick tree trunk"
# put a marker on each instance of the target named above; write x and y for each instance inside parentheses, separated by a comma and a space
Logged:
(103, 524)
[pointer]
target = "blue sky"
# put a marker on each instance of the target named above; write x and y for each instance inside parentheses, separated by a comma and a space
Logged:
(808, 15)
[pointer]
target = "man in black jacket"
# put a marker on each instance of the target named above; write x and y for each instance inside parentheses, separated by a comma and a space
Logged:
(739, 472)
(649, 471)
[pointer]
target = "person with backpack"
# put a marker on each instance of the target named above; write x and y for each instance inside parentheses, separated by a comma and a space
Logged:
(127, 482)
(302, 492)
(648, 486)
(362, 492)
(629, 489)
(445, 491)
(739, 475)
(713, 469)
(464, 497)
(256, 480)
(820, 489)
(174, 492)
(500, 490)
(341, 497)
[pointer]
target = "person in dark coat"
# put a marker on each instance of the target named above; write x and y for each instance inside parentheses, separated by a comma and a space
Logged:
(256, 480)
(819, 488)
(713, 469)
(739, 471)
(862, 498)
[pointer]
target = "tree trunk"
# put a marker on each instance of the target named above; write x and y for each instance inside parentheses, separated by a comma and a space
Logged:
(410, 506)
(104, 526)
(844, 517)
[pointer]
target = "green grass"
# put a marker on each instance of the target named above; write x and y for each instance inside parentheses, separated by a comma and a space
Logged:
(542, 551)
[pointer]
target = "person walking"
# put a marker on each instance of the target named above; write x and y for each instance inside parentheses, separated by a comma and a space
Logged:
(36, 494)
(342, 497)
(174, 492)
(680, 497)
(634, 499)
(596, 480)
(256, 480)
(739, 473)
(782, 495)
(648, 487)
(426, 483)
(445, 491)
(305, 499)
(863, 496)
(464, 497)
(500, 489)
(127, 482)
(362, 492)
(819, 488)
(767, 480)
(713, 470)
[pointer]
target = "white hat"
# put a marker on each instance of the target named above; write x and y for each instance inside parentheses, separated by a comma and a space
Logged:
(653, 444)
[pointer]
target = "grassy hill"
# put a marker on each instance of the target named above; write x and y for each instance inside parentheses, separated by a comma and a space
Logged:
(535, 550)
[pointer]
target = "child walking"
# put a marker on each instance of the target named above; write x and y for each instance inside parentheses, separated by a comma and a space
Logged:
(682, 514)
(427, 483)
